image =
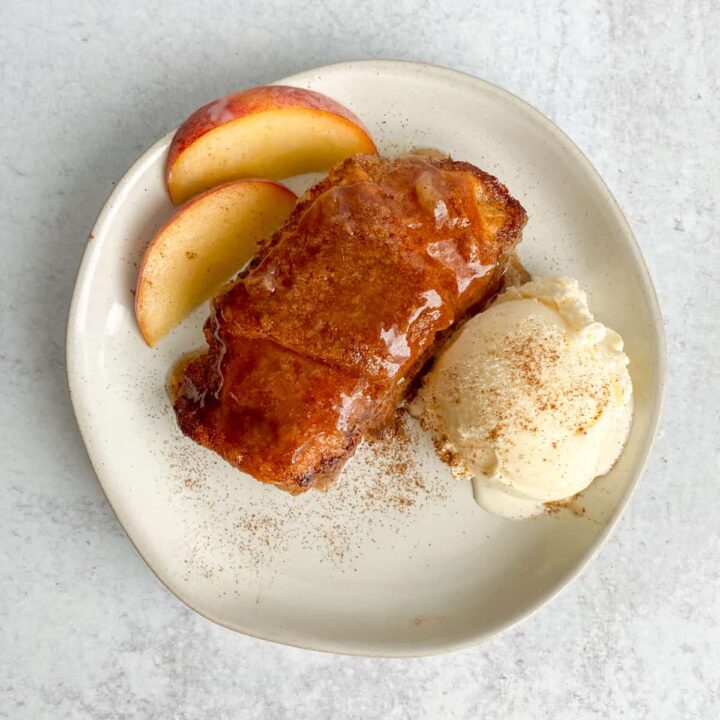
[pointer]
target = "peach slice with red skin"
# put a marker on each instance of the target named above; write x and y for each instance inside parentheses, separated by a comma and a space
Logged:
(273, 131)
(207, 241)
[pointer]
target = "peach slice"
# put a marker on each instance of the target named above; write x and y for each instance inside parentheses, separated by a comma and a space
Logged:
(207, 241)
(272, 131)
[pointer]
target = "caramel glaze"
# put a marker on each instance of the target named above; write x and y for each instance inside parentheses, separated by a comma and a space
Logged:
(317, 341)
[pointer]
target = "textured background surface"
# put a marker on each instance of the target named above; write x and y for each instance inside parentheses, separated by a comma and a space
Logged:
(85, 629)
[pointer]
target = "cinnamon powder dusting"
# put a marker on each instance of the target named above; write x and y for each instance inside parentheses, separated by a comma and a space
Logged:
(532, 383)
(384, 489)
(395, 479)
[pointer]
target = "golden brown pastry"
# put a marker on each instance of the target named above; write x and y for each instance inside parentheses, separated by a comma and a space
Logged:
(316, 343)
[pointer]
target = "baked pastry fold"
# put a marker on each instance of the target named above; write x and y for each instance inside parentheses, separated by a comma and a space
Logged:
(317, 341)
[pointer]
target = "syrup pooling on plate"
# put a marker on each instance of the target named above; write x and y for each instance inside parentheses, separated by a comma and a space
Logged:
(314, 346)
(176, 381)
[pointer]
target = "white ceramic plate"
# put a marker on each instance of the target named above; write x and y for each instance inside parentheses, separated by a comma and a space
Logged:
(396, 559)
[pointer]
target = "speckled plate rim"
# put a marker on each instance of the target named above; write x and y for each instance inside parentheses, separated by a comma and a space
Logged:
(106, 217)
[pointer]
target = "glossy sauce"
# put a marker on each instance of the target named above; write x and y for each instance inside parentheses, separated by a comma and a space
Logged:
(314, 347)
(383, 266)
(176, 380)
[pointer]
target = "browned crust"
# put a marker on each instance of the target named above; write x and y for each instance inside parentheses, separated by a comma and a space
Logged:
(204, 372)
(508, 237)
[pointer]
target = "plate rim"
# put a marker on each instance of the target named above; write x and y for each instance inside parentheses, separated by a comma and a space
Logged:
(424, 647)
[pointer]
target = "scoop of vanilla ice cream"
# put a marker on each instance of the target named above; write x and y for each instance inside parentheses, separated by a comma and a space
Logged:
(531, 399)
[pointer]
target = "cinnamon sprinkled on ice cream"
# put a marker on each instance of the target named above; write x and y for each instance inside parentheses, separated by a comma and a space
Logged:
(531, 399)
